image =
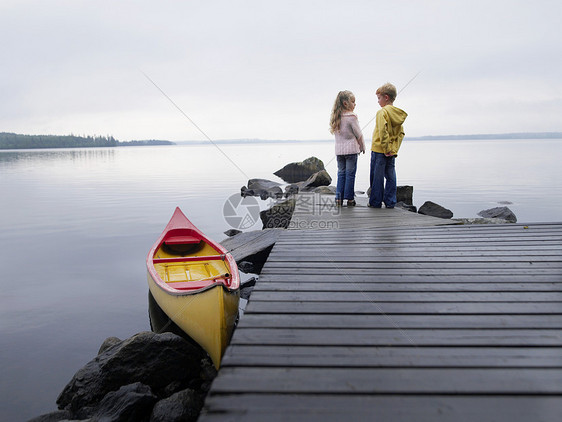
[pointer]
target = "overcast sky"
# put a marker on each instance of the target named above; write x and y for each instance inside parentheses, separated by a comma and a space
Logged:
(272, 69)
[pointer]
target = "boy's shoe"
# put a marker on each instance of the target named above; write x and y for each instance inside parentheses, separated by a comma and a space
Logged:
(351, 202)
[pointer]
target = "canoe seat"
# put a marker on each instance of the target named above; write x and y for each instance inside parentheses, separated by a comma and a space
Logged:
(182, 240)
(189, 259)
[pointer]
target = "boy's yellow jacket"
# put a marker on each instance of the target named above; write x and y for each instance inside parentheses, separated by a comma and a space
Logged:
(389, 132)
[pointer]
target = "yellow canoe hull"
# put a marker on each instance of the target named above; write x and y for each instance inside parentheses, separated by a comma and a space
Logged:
(208, 316)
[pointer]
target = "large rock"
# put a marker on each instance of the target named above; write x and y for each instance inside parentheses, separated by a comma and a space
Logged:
(499, 212)
(179, 407)
(435, 210)
(297, 172)
(156, 360)
(278, 216)
(405, 194)
(321, 178)
(263, 188)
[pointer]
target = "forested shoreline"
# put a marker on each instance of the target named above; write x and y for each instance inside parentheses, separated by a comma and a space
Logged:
(16, 141)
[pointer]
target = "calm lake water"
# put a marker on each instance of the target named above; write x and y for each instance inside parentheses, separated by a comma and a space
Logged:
(76, 225)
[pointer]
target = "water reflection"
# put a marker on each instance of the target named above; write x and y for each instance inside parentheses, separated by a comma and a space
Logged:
(72, 154)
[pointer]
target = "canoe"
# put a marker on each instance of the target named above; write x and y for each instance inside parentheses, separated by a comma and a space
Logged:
(196, 283)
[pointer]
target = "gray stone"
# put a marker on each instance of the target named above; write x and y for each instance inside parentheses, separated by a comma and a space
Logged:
(321, 178)
(246, 267)
(263, 188)
(257, 184)
(152, 359)
(405, 194)
(467, 221)
(133, 402)
(325, 190)
(278, 216)
(435, 210)
(499, 212)
(297, 172)
(183, 406)
(232, 232)
(244, 192)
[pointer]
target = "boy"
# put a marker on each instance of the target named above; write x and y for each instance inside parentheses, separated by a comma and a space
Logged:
(387, 138)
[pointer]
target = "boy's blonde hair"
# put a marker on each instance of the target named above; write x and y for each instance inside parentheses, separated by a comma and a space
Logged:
(335, 117)
(387, 89)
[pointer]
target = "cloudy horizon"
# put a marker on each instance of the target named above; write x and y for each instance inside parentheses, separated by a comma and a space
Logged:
(271, 70)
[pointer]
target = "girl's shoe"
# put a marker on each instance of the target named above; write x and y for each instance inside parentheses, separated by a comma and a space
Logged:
(339, 202)
(351, 203)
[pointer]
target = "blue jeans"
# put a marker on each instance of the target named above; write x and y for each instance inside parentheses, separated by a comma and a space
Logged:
(347, 167)
(382, 167)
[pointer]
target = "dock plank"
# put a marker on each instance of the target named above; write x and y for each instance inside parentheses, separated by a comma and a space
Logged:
(503, 321)
(399, 336)
(389, 380)
(253, 355)
(365, 407)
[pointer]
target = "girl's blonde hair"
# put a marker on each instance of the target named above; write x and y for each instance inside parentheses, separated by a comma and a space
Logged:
(335, 118)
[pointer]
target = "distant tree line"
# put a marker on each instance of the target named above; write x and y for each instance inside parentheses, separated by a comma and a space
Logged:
(16, 141)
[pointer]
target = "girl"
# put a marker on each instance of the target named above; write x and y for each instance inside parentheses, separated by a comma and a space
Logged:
(349, 143)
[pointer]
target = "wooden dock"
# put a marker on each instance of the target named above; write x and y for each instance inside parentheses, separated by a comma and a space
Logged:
(384, 319)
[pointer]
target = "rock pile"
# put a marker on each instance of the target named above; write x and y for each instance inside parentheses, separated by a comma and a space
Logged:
(148, 377)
